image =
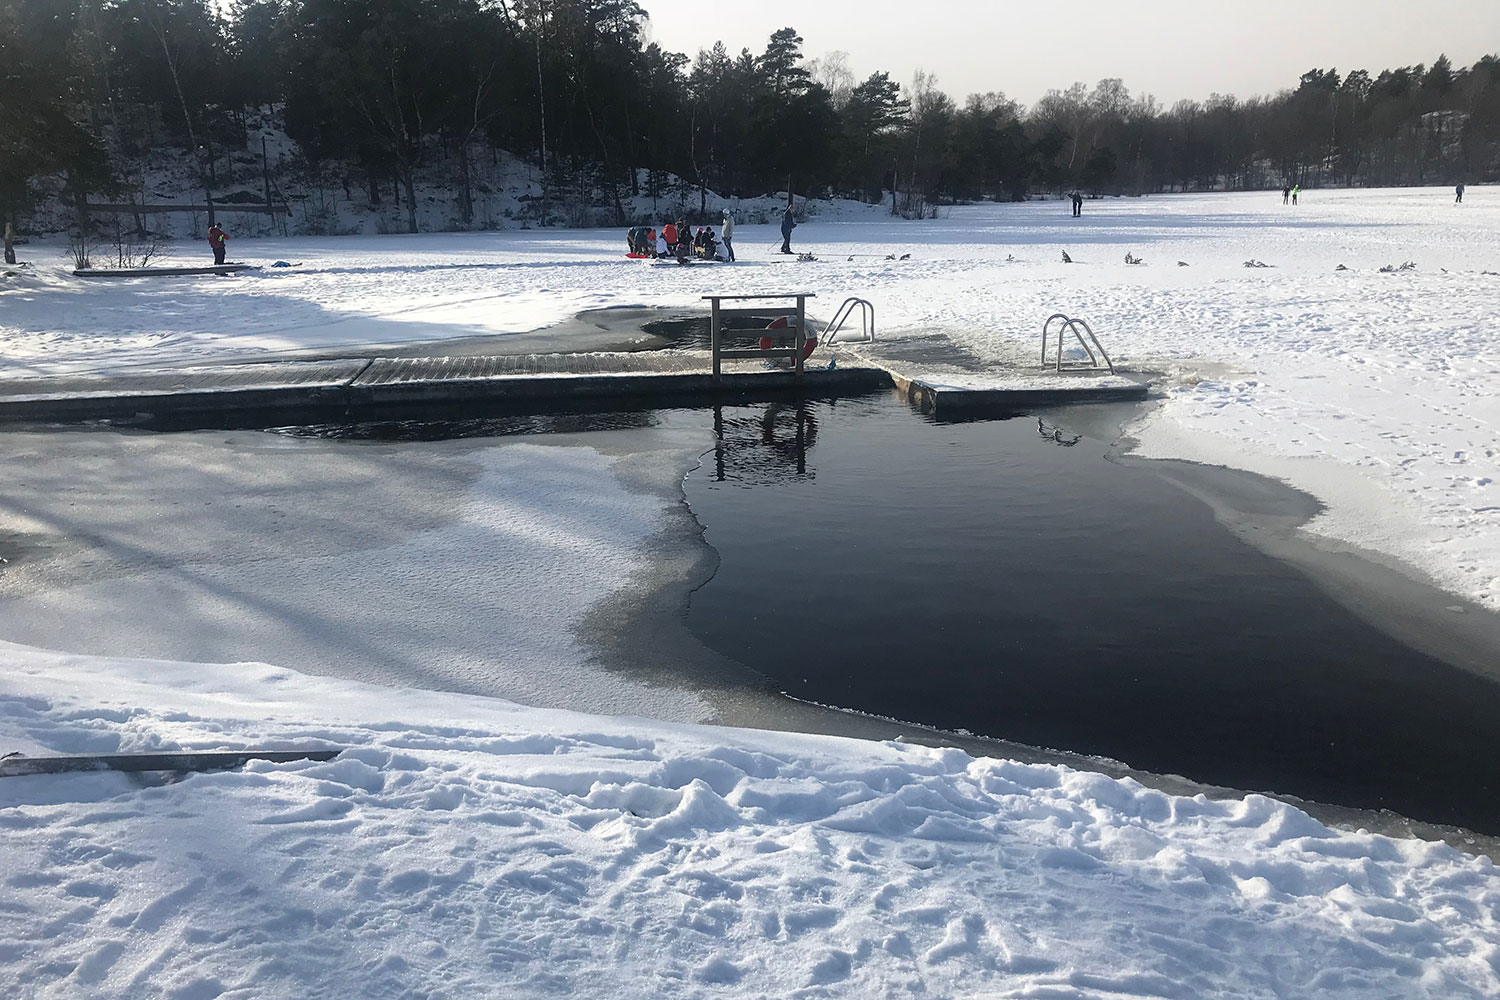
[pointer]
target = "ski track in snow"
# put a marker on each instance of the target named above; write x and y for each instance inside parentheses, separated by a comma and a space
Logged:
(1376, 392)
(476, 848)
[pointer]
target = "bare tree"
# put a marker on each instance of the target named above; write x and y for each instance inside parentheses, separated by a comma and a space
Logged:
(833, 74)
(156, 21)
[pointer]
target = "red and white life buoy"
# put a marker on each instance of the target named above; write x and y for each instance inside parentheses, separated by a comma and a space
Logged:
(780, 323)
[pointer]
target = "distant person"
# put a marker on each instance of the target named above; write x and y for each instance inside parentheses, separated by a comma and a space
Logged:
(726, 236)
(1296, 190)
(663, 249)
(216, 240)
(788, 223)
(1077, 204)
(1460, 199)
(1286, 194)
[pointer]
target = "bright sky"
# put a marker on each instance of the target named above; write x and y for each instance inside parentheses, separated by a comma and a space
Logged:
(1170, 48)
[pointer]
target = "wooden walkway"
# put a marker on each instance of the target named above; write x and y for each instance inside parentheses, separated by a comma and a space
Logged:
(360, 389)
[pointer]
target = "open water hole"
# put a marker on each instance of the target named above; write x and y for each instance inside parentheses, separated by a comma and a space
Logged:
(984, 577)
(980, 577)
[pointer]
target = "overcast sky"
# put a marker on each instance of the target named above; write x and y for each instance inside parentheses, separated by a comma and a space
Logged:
(1170, 48)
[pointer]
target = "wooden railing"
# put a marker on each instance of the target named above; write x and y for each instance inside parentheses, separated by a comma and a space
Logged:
(795, 330)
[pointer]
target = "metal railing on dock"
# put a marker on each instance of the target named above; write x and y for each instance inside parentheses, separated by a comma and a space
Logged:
(866, 320)
(1078, 328)
(792, 320)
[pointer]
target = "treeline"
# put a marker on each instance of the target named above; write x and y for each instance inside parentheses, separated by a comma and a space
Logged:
(378, 89)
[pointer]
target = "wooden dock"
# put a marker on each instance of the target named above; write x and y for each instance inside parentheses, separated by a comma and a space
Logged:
(366, 389)
(353, 390)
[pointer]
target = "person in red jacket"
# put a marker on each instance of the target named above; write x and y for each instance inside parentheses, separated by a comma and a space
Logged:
(216, 240)
(670, 232)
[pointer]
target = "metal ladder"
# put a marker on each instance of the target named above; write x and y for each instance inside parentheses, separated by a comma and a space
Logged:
(1075, 325)
(866, 320)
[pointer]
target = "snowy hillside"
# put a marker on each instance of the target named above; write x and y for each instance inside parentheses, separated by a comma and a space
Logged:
(333, 199)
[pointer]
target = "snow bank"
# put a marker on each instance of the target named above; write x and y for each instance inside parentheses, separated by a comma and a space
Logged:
(464, 846)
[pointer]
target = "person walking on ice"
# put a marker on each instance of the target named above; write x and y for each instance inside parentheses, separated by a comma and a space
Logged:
(1460, 199)
(1296, 190)
(726, 236)
(216, 241)
(788, 223)
(1286, 195)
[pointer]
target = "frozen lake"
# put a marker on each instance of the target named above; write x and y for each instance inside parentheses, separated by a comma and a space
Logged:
(1376, 392)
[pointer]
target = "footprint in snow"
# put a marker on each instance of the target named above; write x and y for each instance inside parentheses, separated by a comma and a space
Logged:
(831, 968)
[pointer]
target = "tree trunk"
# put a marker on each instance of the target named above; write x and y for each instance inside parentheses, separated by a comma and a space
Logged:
(10, 243)
(187, 118)
(411, 200)
(140, 220)
(80, 209)
(465, 191)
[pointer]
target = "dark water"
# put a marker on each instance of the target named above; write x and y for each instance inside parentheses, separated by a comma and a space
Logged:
(979, 576)
(697, 331)
(446, 427)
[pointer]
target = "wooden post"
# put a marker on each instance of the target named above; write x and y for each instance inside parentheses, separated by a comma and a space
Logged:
(799, 340)
(714, 334)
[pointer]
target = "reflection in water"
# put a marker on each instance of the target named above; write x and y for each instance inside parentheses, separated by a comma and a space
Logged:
(760, 450)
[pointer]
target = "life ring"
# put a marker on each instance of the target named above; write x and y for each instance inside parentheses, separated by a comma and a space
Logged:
(780, 323)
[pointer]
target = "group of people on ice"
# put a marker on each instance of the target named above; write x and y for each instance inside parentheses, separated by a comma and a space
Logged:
(679, 240)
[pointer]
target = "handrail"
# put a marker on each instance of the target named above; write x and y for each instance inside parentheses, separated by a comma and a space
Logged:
(866, 320)
(1073, 325)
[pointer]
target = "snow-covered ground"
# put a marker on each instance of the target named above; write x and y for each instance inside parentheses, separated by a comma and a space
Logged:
(466, 847)
(1375, 391)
